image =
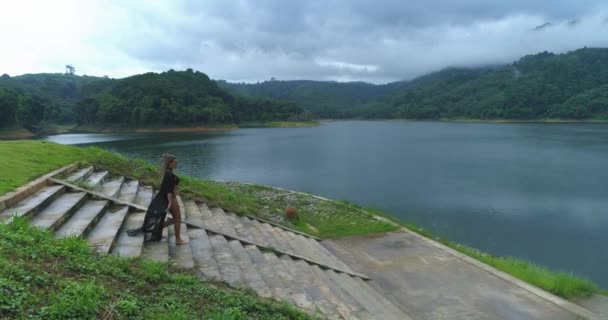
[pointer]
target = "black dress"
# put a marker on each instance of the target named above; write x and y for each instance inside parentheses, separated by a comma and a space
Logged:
(157, 211)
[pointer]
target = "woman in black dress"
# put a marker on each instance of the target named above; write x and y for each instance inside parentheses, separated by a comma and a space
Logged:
(164, 201)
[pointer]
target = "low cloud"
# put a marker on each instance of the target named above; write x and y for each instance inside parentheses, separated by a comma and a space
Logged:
(347, 40)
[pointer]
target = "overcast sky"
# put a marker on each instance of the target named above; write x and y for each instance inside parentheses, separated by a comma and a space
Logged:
(345, 40)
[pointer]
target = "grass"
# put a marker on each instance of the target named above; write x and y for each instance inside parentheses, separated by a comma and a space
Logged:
(565, 285)
(46, 278)
(328, 219)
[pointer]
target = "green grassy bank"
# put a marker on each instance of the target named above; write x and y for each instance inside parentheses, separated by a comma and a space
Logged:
(26, 160)
(46, 278)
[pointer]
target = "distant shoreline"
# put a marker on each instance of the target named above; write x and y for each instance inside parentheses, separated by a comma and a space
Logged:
(20, 133)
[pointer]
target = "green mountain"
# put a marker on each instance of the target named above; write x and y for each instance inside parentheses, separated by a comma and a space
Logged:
(168, 98)
(326, 99)
(545, 85)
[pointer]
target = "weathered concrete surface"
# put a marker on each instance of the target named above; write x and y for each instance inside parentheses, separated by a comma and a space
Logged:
(127, 246)
(597, 304)
(427, 282)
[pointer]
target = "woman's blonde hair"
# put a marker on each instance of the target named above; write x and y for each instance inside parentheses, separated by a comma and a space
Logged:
(167, 158)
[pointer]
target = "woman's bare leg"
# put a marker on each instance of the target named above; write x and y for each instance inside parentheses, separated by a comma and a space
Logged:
(177, 219)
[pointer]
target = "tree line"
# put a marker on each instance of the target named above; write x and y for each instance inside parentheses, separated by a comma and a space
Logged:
(168, 98)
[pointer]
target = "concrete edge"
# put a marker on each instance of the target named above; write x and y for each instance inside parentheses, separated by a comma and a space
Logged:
(560, 302)
(16, 196)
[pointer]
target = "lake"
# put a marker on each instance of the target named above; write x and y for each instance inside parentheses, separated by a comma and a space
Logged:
(532, 191)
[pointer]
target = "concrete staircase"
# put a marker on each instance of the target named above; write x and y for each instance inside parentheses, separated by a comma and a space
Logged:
(243, 251)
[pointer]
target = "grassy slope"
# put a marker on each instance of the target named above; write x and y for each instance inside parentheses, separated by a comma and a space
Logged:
(46, 278)
(325, 219)
(26, 160)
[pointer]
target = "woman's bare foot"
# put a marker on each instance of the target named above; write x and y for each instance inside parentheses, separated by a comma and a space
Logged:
(180, 241)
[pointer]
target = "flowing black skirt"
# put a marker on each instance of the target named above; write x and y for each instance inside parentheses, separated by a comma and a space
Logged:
(154, 219)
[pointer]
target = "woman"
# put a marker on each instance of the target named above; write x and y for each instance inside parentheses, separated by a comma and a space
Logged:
(165, 200)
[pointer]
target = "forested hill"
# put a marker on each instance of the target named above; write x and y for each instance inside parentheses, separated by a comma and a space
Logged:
(569, 86)
(326, 99)
(573, 85)
(169, 98)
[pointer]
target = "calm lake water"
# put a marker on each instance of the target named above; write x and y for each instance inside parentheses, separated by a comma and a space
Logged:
(533, 191)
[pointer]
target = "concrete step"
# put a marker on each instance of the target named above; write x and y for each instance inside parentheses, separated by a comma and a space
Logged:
(202, 253)
(390, 309)
(239, 225)
(293, 294)
(285, 237)
(144, 195)
(103, 236)
(226, 261)
(314, 250)
(276, 239)
(249, 271)
(222, 221)
(277, 286)
(304, 248)
(261, 233)
(127, 246)
(80, 175)
(244, 228)
(181, 255)
(372, 305)
(320, 253)
(354, 310)
(320, 291)
(95, 180)
(84, 219)
(128, 191)
(157, 250)
(299, 286)
(326, 252)
(207, 217)
(60, 210)
(33, 204)
(112, 187)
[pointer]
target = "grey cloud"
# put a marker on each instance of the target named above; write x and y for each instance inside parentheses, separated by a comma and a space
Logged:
(354, 40)
(377, 41)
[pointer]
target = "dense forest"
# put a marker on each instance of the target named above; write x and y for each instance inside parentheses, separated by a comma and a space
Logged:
(573, 85)
(169, 98)
(326, 99)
